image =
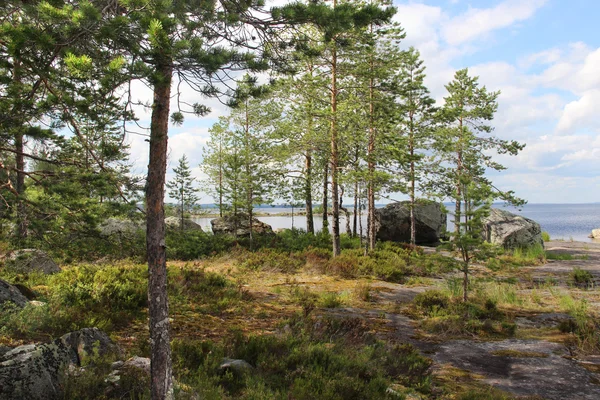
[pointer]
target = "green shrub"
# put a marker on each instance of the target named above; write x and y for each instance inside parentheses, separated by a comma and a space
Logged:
(345, 265)
(545, 236)
(431, 300)
(272, 260)
(192, 245)
(330, 300)
(581, 278)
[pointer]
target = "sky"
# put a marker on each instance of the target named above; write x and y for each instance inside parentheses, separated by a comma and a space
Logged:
(542, 55)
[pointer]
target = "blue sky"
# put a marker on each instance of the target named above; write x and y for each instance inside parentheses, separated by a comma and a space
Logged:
(543, 55)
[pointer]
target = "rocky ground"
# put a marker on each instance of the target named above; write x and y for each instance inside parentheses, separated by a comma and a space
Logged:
(547, 368)
(539, 361)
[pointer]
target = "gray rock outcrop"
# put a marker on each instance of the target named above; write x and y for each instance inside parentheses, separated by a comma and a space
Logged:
(511, 231)
(9, 293)
(237, 367)
(393, 222)
(34, 371)
(30, 260)
(240, 226)
(139, 364)
(121, 228)
(188, 224)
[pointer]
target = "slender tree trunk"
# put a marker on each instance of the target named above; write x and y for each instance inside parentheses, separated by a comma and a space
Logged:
(325, 197)
(20, 163)
(360, 227)
(371, 171)
(465, 281)
(310, 225)
(249, 194)
(413, 227)
(20, 185)
(335, 205)
(158, 309)
(220, 179)
(182, 208)
(355, 215)
(345, 211)
(459, 167)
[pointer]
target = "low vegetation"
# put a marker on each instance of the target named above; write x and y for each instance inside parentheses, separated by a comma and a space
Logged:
(285, 312)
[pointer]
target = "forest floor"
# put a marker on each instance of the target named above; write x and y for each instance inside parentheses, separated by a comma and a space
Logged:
(530, 331)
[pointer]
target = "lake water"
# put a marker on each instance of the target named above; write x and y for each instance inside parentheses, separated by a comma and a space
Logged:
(561, 221)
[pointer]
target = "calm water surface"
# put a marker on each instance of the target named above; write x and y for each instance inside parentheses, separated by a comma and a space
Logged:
(561, 221)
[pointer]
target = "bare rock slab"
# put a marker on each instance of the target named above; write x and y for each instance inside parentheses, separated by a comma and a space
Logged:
(523, 367)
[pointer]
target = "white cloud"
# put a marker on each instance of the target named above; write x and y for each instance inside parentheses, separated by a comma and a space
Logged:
(581, 113)
(478, 22)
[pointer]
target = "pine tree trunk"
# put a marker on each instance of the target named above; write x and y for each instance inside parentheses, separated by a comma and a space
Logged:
(158, 306)
(325, 192)
(459, 167)
(310, 225)
(413, 227)
(335, 205)
(220, 180)
(20, 163)
(20, 185)
(355, 215)
(465, 281)
(371, 169)
(360, 227)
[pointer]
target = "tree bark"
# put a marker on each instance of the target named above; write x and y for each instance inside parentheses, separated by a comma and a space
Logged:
(413, 228)
(335, 205)
(158, 305)
(371, 171)
(325, 192)
(355, 215)
(20, 162)
(310, 225)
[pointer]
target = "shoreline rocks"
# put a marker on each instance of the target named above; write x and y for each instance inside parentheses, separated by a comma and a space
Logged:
(393, 222)
(511, 231)
(188, 224)
(239, 225)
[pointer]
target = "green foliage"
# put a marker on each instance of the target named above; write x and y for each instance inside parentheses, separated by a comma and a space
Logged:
(193, 245)
(545, 236)
(323, 360)
(272, 260)
(581, 278)
(446, 314)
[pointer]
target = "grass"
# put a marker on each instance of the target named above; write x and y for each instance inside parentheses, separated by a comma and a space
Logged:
(563, 256)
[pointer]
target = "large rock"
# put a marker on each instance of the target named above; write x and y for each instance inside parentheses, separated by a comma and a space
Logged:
(230, 225)
(34, 371)
(121, 228)
(9, 293)
(595, 234)
(30, 260)
(511, 231)
(188, 224)
(393, 222)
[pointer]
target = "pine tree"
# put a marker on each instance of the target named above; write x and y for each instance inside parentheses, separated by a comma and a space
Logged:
(466, 139)
(182, 188)
(417, 124)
